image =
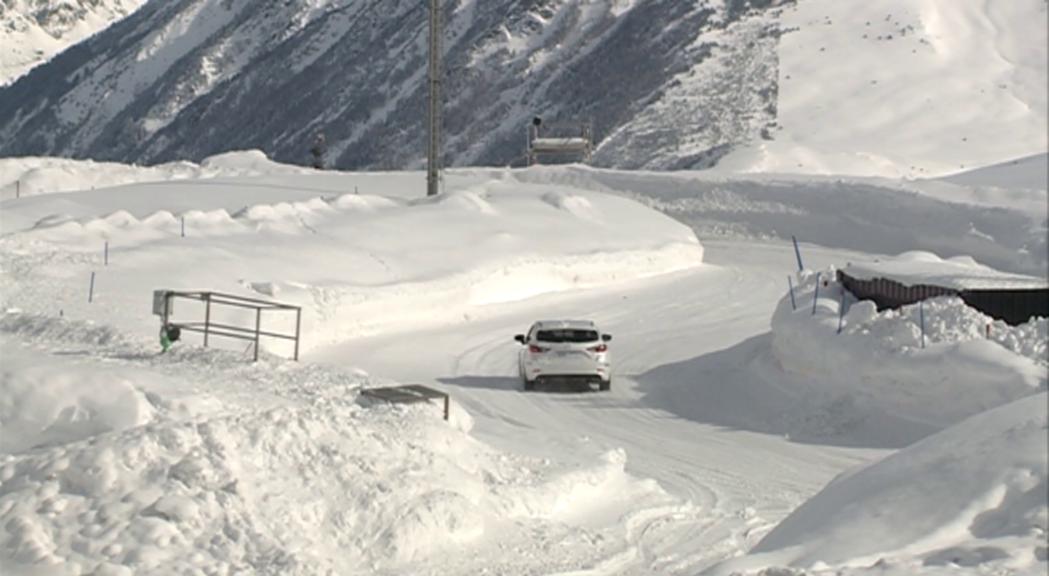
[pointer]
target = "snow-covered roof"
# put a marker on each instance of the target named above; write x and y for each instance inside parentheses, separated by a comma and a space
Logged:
(567, 144)
(925, 268)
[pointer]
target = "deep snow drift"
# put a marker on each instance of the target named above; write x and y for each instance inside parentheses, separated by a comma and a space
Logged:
(971, 499)
(729, 409)
(198, 461)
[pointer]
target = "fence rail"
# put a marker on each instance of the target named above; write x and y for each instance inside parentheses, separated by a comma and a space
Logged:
(163, 302)
(1014, 307)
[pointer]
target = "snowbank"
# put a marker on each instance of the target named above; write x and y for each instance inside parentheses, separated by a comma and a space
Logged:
(971, 498)
(1005, 228)
(876, 370)
(358, 264)
(285, 473)
(1027, 173)
(925, 268)
(45, 400)
(42, 175)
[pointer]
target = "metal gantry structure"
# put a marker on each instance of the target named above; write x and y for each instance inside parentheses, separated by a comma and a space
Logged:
(433, 161)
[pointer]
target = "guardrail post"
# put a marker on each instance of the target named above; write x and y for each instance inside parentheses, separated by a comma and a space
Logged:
(841, 310)
(298, 323)
(816, 294)
(207, 317)
(258, 325)
(921, 319)
(797, 253)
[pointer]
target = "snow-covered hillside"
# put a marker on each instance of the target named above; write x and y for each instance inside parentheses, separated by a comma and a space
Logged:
(724, 419)
(906, 88)
(185, 79)
(32, 31)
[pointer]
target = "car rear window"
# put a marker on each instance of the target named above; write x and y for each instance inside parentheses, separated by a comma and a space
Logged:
(566, 335)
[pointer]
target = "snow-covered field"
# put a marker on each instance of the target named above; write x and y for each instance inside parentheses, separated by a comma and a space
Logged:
(906, 88)
(735, 422)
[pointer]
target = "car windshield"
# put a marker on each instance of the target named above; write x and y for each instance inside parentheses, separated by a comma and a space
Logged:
(566, 335)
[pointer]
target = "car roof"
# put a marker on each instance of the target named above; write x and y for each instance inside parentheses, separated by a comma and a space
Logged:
(562, 324)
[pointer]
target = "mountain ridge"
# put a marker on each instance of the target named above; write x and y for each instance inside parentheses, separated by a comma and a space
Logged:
(189, 78)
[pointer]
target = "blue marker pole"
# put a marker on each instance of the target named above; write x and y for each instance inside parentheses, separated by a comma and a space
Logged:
(816, 294)
(183, 226)
(797, 253)
(91, 289)
(921, 319)
(105, 254)
(793, 304)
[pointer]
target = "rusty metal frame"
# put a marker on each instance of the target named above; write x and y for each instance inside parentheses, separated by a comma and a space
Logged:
(209, 328)
(407, 394)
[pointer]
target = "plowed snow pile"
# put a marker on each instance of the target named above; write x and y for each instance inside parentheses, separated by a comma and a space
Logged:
(970, 499)
(971, 495)
(358, 263)
(198, 462)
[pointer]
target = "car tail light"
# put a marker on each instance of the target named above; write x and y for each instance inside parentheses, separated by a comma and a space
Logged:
(599, 348)
(535, 349)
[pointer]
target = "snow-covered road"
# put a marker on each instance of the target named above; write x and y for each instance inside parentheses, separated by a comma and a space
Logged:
(726, 472)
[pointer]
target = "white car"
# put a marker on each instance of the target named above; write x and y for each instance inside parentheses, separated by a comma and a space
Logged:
(556, 351)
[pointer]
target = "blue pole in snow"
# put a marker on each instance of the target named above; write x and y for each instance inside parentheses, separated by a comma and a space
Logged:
(921, 319)
(91, 289)
(797, 253)
(816, 294)
(793, 304)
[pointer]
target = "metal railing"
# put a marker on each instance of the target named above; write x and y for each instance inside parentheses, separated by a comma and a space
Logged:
(209, 328)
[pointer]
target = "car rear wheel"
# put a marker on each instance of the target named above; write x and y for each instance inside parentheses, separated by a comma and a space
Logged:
(528, 384)
(605, 385)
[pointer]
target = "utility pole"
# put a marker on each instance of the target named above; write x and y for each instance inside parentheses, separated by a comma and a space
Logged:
(433, 160)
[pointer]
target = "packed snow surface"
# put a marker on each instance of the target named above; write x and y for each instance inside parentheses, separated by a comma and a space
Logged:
(729, 409)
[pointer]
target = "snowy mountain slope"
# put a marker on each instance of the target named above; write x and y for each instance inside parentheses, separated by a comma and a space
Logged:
(894, 89)
(185, 79)
(906, 88)
(32, 31)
